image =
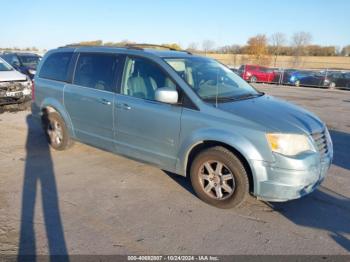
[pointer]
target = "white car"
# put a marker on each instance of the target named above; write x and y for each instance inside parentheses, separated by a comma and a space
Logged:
(15, 87)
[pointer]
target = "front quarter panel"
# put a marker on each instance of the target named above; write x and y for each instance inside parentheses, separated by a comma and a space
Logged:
(197, 127)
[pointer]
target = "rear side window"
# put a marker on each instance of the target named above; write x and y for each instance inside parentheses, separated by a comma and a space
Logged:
(96, 71)
(56, 66)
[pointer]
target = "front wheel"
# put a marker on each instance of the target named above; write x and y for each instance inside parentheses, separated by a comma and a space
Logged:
(219, 178)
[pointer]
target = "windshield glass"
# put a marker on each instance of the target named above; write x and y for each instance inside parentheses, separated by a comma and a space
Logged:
(29, 60)
(4, 66)
(211, 80)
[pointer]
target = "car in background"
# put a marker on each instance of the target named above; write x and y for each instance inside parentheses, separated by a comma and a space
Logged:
(327, 79)
(338, 79)
(26, 63)
(306, 78)
(255, 73)
(15, 87)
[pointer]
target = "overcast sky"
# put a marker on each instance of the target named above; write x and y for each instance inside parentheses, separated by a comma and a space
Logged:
(48, 24)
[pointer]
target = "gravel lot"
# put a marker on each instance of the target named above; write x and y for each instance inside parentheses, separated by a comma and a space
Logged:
(87, 201)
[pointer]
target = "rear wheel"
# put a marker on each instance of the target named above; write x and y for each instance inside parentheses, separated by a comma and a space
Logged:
(332, 85)
(253, 79)
(56, 131)
(219, 178)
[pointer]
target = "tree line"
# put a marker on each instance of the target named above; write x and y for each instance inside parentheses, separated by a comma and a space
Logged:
(262, 47)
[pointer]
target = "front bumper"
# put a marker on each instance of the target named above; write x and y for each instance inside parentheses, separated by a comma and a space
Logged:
(280, 184)
(14, 92)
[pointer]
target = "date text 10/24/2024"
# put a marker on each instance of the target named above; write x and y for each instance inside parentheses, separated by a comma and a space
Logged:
(173, 258)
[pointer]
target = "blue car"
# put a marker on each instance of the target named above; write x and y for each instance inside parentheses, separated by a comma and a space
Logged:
(308, 78)
(185, 114)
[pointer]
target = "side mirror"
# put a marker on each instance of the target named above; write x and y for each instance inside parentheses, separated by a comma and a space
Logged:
(166, 95)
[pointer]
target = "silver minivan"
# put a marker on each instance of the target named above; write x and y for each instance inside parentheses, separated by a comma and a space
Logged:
(186, 114)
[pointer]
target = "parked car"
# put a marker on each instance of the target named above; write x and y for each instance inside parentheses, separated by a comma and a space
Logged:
(186, 114)
(23, 62)
(15, 87)
(314, 78)
(338, 79)
(305, 78)
(254, 73)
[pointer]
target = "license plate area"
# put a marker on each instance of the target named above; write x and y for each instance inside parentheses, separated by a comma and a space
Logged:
(14, 94)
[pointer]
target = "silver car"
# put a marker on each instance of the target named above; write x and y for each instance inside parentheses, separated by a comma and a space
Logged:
(15, 87)
(186, 114)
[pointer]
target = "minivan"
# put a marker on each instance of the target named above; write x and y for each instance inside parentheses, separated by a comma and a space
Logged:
(186, 114)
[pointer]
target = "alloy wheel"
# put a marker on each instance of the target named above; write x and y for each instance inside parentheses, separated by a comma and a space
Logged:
(216, 180)
(55, 132)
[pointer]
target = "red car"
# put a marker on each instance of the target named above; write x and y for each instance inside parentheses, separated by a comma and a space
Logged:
(254, 73)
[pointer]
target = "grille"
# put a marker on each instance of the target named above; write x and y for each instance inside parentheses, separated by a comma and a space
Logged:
(321, 142)
(12, 86)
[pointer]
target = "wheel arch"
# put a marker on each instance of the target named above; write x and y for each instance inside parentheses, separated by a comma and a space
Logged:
(52, 105)
(206, 144)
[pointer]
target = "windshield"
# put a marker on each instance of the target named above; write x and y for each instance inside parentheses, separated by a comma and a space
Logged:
(211, 80)
(4, 66)
(29, 60)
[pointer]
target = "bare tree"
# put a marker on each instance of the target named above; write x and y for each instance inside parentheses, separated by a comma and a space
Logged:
(346, 51)
(192, 47)
(229, 49)
(300, 41)
(208, 45)
(277, 40)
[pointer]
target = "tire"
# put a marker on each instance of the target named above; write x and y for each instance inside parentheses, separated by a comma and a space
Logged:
(332, 85)
(56, 131)
(253, 79)
(231, 167)
(297, 83)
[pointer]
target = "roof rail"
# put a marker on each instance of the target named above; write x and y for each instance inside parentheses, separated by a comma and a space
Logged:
(129, 46)
(144, 46)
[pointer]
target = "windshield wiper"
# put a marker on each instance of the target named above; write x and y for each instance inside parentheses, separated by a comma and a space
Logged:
(232, 98)
(247, 96)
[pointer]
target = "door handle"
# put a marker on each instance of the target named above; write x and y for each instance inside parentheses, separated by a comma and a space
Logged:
(105, 101)
(123, 106)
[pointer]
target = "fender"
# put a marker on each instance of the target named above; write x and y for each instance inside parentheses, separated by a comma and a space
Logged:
(57, 106)
(235, 140)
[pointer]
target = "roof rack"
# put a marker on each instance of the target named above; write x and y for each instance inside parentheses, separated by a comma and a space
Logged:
(142, 46)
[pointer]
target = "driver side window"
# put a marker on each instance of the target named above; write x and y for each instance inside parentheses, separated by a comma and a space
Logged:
(142, 78)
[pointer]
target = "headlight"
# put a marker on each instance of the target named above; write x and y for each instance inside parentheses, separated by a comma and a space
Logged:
(329, 139)
(289, 144)
(32, 71)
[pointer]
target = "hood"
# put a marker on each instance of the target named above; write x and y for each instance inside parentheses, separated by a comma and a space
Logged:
(13, 75)
(275, 115)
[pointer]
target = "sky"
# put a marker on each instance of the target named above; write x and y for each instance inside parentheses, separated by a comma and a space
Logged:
(48, 24)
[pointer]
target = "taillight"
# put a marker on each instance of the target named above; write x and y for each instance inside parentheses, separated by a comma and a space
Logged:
(33, 91)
